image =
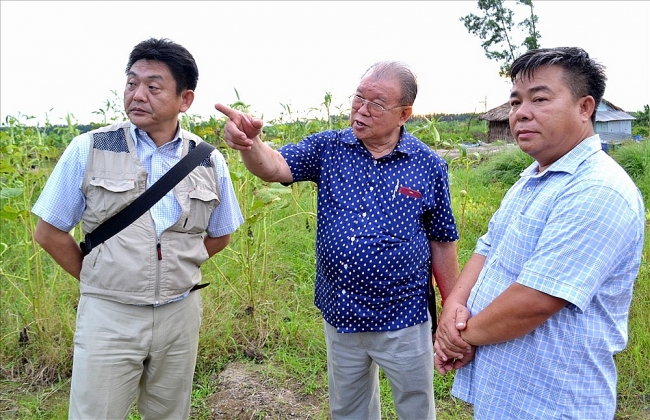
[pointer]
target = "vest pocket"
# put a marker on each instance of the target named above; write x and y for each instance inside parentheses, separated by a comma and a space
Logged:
(202, 202)
(107, 196)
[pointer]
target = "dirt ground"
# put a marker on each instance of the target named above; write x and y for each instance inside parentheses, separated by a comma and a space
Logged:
(483, 149)
(246, 394)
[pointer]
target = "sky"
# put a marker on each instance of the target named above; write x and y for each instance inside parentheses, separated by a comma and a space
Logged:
(282, 57)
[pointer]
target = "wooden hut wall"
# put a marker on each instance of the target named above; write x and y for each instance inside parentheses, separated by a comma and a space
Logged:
(500, 130)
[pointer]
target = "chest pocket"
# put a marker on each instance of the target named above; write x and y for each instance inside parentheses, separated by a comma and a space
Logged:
(202, 202)
(520, 241)
(108, 195)
(403, 214)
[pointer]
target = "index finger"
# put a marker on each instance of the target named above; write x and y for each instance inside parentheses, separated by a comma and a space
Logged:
(226, 110)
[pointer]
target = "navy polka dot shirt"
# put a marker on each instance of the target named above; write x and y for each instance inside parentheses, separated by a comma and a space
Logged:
(375, 220)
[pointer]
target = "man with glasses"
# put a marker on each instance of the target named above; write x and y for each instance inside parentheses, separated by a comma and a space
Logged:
(385, 231)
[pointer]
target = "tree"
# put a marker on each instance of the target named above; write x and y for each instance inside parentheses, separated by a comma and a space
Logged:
(495, 28)
(641, 125)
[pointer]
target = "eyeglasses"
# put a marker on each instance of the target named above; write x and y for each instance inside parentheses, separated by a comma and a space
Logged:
(375, 110)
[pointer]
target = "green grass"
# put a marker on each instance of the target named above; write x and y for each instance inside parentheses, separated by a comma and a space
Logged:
(259, 306)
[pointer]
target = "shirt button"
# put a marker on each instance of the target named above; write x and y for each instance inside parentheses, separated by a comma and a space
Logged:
(372, 188)
(363, 214)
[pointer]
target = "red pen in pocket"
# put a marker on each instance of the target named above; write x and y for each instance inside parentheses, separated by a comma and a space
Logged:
(410, 192)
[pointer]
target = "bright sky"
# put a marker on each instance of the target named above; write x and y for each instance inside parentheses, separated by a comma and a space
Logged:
(66, 57)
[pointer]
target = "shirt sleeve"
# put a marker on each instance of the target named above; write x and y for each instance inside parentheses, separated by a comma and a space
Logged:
(61, 203)
(439, 220)
(583, 240)
(227, 216)
(303, 157)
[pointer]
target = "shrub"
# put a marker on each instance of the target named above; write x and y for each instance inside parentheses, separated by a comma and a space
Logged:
(505, 167)
(634, 157)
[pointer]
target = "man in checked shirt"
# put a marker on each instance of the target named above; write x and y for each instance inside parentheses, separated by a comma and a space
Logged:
(541, 308)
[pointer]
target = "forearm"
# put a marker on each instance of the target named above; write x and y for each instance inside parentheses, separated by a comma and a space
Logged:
(466, 280)
(214, 245)
(61, 246)
(444, 265)
(514, 313)
(449, 343)
(266, 163)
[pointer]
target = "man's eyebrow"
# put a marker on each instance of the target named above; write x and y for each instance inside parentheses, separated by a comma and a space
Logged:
(153, 76)
(534, 89)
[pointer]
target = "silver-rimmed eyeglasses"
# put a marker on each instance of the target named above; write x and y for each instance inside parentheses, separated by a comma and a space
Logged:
(376, 110)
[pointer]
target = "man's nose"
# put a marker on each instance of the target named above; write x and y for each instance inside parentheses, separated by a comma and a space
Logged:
(140, 93)
(523, 111)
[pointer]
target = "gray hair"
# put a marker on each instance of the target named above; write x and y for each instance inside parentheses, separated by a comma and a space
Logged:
(397, 70)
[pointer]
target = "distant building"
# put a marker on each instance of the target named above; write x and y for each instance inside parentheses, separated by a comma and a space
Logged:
(498, 124)
(612, 123)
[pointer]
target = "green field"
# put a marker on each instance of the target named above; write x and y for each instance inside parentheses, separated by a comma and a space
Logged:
(259, 308)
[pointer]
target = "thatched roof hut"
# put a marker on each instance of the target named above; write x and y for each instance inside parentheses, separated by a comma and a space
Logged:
(499, 127)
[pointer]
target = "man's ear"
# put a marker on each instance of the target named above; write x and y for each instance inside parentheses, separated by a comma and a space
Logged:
(587, 107)
(188, 97)
(405, 115)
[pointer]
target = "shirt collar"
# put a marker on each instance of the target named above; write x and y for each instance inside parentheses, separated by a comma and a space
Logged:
(407, 144)
(571, 160)
(138, 134)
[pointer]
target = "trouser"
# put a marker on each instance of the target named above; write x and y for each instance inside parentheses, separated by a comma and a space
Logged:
(125, 351)
(353, 362)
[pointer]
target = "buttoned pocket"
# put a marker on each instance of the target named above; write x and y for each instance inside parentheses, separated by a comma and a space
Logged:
(403, 215)
(202, 202)
(107, 196)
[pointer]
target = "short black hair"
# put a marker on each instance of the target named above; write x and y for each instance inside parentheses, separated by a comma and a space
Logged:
(583, 75)
(177, 58)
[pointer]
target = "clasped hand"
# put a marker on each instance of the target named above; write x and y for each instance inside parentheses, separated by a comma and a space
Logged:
(451, 350)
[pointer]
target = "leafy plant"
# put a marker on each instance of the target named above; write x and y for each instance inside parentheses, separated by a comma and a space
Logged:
(259, 306)
(466, 161)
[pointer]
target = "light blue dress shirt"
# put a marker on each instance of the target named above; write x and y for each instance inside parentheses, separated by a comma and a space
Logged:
(574, 231)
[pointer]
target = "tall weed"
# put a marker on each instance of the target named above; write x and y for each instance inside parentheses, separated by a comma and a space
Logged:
(36, 322)
(259, 305)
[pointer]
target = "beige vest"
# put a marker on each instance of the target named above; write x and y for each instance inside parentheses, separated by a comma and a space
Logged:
(133, 267)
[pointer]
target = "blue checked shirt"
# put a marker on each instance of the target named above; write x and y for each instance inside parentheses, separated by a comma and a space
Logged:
(574, 231)
(375, 220)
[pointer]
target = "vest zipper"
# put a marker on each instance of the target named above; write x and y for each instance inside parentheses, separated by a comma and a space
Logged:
(159, 252)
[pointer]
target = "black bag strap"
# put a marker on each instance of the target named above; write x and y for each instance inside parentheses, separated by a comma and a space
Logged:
(130, 213)
(431, 302)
